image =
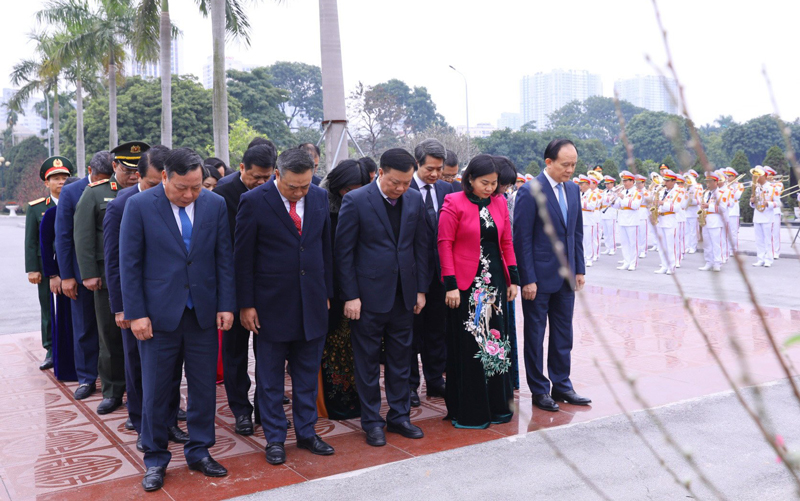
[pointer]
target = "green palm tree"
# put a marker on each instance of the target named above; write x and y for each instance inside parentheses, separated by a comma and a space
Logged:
(101, 31)
(83, 74)
(39, 74)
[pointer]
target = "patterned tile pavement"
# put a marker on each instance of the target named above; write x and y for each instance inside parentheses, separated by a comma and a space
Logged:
(53, 447)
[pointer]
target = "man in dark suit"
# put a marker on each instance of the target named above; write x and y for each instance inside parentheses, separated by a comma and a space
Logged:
(150, 166)
(547, 295)
(178, 288)
(84, 320)
(284, 282)
(450, 171)
(237, 174)
(382, 257)
(429, 325)
(258, 166)
(315, 153)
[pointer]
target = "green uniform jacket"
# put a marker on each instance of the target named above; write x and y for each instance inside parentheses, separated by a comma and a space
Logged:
(33, 219)
(88, 232)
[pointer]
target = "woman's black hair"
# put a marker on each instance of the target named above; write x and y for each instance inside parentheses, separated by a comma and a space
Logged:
(347, 173)
(507, 173)
(369, 164)
(479, 166)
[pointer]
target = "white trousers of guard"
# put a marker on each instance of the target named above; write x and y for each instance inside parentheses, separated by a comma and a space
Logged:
(588, 242)
(776, 235)
(643, 240)
(630, 244)
(733, 226)
(764, 250)
(667, 247)
(691, 233)
(610, 234)
(712, 245)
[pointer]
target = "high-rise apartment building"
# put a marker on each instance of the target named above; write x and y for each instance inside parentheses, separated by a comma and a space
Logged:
(511, 121)
(153, 69)
(650, 92)
(230, 64)
(544, 93)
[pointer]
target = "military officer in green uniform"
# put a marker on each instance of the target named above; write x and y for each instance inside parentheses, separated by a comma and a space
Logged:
(89, 214)
(54, 172)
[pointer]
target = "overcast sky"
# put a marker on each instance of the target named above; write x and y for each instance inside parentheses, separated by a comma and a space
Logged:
(719, 47)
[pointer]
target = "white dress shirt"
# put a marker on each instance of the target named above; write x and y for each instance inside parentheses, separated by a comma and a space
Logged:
(189, 212)
(424, 192)
(300, 208)
(553, 185)
(54, 199)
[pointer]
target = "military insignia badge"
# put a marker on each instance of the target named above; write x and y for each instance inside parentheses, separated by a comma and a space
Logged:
(58, 163)
(136, 149)
(113, 186)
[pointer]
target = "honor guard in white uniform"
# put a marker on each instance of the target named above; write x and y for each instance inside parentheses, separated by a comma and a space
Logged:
(608, 216)
(668, 200)
(777, 188)
(712, 218)
(693, 190)
(734, 195)
(680, 216)
(594, 182)
(588, 203)
(762, 200)
(644, 216)
(628, 202)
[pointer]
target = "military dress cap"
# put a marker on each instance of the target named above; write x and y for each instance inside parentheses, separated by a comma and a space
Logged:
(583, 178)
(669, 175)
(714, 176)
(628, 175)
(640, 177)
(56, 165)
(663, 166)
(520, 177)
(598, 168)
(609, 179)
(730, 171)
(769, 170)
(129, 153)
(693, 173)
(680, 178)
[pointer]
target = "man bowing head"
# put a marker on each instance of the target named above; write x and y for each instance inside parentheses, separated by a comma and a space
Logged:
(284, 280)
(178, 288)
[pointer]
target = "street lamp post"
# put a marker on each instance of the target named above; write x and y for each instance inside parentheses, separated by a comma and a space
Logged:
(466, 98)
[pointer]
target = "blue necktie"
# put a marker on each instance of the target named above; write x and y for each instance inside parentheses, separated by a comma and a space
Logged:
(562, 201)
(186, 230)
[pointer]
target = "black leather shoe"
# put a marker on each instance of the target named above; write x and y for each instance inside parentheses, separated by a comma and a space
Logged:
(376, 437)
(109, 405)
(244, 425)
(414, 398)
(316, 445)
(570, 397)
(275, 453)
(177, 435)
(85, 391)
(129, 425)
(139, 446)
(154, 478)
(209, 467)
(286, 400)
(181, 414)
(406, 429)
(47, 363)
(436, 390)
(545, 403)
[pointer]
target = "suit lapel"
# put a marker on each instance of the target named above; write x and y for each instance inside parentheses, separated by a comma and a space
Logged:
(200, 215)
(308, 220)
(165, 209)
(552, 199)
(376, 199)
(274, 200)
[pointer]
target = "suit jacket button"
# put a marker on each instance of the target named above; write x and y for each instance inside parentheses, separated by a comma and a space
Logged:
(189, 263)
(302, 249)
(302, 272)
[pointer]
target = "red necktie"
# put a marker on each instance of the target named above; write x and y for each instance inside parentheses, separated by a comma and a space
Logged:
(293, 214)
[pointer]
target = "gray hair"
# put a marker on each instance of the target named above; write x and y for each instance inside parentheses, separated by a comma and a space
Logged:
(429, 147)
(297, 161)
(101, 163)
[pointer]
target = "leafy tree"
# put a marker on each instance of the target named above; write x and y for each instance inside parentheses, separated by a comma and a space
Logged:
(610, 168)
(669, 161)
(377, 117)
(649, 166)
(745, 211)
(26, 156)
(303, 82)
(451, 140)
(756, 136)
(594, 118)
(776, 159)
(139, 101)
(654, 135)
(240, 136)
(261, 103)
(524, 148)
(740, 163)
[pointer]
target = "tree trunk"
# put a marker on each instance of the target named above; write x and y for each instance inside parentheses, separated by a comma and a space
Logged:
(165, 35)
(56, 122)
(80, 146)
(112, 104)
(333, 103)
(220, 102)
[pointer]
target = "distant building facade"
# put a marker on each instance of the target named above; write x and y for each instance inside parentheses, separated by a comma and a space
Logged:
(153, 69)
(479, 130)
(230, 64)
(511, 121)
(543, 93)
(29, 123)
(650, 92)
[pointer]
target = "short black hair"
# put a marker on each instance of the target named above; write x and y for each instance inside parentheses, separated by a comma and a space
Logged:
(101, 163)
(507, 173)
(429, 147)
(555, 146)
(214, 163)
(311, 148)
(479, 166)
(153, 157)
(262, 155)
(451, 160)
(397, 159)
(261, 140)
(295, 161)
(181, 161)
(369, 164)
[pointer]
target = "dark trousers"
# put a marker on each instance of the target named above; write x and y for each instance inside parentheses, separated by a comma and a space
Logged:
(43, 288)
(235, 356)
(304, 359)
(133, 382)
(84, 332)
(429, 338)
(395, 328)
(199, 348)
(111, 361)
(557, 308)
